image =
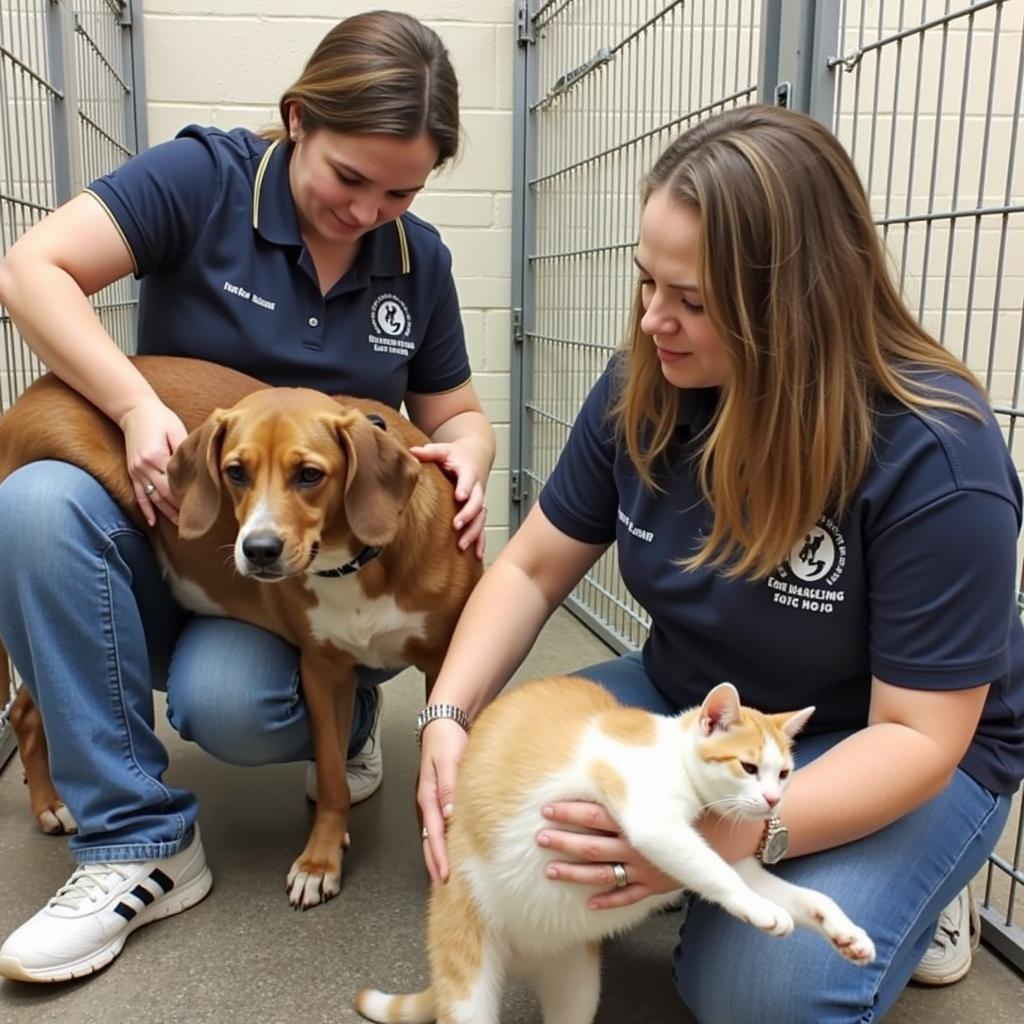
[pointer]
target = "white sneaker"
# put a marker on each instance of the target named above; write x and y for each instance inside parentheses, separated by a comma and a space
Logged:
(365, 769)
(948, 958)
(85, 925)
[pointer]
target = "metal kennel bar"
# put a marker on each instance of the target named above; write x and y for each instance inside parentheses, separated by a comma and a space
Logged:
(925, 94)
(604, 85)
(71, 108)
(928, 99)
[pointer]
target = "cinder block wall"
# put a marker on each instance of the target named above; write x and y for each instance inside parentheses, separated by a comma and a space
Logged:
(226, 62)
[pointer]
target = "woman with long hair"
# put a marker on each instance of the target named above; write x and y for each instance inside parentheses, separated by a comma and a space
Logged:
(812, 500)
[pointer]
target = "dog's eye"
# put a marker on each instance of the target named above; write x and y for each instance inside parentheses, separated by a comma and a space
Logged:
(309, 475)
(235, 472)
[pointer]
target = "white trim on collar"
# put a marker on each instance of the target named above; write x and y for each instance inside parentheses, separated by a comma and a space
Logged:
(258, 183)
(403, 245)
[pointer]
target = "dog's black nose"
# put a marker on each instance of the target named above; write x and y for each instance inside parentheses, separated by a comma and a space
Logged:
(262, 548)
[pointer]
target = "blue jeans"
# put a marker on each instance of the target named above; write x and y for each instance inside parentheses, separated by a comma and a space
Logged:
(92, 629)
(894, 884)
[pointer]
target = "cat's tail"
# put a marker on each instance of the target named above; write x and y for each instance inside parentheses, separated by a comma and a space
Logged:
(420, 1008)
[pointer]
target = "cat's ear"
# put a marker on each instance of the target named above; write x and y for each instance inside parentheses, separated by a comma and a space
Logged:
(791, 724)
(720, 710)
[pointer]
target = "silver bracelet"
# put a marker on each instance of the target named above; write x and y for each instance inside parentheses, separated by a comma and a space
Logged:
(434, 711)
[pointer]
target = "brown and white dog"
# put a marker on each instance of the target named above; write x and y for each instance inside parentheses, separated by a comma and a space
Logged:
(302, 487)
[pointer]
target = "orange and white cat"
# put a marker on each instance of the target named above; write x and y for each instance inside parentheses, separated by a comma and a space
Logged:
(566, 738)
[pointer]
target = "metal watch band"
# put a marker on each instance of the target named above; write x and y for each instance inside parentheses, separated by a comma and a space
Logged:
(432, 712)
(773, 828)
(766, 834)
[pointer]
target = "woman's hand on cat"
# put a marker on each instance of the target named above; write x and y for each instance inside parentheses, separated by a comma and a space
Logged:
(443, 744)
(595, 851)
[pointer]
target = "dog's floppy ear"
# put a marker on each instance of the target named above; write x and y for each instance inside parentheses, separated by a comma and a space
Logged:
(381, 477)
(194, 475)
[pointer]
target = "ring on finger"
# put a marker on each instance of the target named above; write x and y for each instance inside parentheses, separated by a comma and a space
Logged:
(148, 489)
(424, 834)
(621, 878)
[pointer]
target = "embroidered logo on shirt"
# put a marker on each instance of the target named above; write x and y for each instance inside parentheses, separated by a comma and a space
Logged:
(818, 557)
(391, 324)
(634, 531)
(244, 293)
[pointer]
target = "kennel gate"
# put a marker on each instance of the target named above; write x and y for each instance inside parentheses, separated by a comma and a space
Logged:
(72, 107)
(925, 95)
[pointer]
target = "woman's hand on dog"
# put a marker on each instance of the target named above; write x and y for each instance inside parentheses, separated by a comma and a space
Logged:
(465, 461)
(151, 433)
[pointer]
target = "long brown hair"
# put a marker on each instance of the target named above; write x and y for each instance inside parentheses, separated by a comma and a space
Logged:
(795, 281)
(382, 72)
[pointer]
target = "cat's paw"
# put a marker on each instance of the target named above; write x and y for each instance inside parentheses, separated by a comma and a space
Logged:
(855, 944)
(848, 939)
(767, 916)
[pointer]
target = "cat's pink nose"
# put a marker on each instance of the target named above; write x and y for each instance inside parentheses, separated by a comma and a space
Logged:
(771, 799)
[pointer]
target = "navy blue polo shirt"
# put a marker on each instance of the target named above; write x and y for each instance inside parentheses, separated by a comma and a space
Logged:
(213, 232)
(914, 585)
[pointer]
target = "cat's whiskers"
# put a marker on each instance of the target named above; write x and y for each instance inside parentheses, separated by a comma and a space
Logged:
(727, 807)
(721, 800)
(735, 809)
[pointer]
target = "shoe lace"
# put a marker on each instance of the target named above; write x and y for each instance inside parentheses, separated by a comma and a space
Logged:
(359, 762)
(88, 882)
(946, 932)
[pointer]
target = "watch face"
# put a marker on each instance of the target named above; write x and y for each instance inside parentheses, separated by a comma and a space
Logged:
(776, 847)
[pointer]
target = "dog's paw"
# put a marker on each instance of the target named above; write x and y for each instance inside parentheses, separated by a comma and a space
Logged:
(56, 820)
(310, 883)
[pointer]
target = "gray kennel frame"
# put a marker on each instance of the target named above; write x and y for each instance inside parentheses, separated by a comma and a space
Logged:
(72, 107)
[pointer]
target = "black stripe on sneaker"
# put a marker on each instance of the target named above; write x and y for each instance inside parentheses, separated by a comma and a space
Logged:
(165, 883)
(143, 895)
(125, 911)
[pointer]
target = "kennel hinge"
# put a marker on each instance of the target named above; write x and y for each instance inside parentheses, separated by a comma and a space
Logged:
(524, 23)
(518, 334)
(516, 486)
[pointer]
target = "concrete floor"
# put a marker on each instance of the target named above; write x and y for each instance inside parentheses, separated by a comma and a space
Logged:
(244, 956)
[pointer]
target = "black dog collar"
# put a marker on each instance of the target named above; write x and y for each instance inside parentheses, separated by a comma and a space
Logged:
(366, 555)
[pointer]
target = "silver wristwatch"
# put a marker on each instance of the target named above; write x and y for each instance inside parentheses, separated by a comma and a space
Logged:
(774, 843)
(434, 711)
